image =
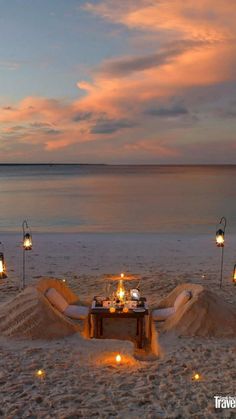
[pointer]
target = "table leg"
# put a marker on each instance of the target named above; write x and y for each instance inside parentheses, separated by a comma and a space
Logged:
(96, 327)
(137, 327)
(90, 325)
(140, 336)
(101, 327)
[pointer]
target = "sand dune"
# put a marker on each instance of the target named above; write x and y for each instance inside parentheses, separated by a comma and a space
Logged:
(81, 377)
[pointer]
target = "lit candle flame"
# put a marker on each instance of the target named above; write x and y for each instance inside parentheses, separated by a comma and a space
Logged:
(120, 290)
(196, 377)
(122, 275)
(40, 373)
(1, 267)
(118, 358)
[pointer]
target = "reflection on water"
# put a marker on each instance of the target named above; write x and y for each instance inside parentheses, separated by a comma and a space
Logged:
(117, 198)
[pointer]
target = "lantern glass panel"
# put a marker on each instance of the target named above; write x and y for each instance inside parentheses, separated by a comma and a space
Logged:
(234, 274)
(220, 238)
(135, 294)
(27, 242)
(2, 267)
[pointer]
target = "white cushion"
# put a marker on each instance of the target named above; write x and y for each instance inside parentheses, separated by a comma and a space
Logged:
(56, 299)
(163, 313)
(182, 299)
(76, 312)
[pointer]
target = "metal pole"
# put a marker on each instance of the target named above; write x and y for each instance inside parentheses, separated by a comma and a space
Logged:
(221, 267)
(24, 226)
(23, 277)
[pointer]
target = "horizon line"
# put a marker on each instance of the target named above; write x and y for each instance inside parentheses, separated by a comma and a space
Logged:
(117, 164)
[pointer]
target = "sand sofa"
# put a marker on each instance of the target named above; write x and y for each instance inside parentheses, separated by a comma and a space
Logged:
(161, 314)
(30, 314)
(64, 304)
(205, 314)
(70, 310)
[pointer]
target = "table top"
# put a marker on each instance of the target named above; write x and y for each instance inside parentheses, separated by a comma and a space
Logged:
(134, 311)
(107, 313)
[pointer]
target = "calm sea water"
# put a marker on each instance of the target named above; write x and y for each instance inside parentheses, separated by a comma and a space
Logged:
(74, 198)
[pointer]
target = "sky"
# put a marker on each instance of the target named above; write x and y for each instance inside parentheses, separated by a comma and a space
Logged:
(119, 82)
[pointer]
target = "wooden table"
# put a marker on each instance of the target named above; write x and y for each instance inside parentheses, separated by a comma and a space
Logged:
(101, 313)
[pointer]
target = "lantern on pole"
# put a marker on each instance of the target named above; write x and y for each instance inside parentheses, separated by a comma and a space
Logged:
(3, 273)
(220, 238)
(27, 245)
(234, 275)
(220, 242)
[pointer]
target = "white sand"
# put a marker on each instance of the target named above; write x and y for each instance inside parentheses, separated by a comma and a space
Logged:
(81, 378)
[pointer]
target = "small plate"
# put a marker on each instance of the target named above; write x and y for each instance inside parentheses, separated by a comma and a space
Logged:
(139, 310)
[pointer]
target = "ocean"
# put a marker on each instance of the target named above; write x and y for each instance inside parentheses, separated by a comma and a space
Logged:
(124, 199)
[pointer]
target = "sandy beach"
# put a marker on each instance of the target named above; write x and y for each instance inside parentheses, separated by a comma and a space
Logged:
(81, 378)
(118, 160)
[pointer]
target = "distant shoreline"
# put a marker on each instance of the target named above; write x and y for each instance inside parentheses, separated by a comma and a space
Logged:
(122, 164)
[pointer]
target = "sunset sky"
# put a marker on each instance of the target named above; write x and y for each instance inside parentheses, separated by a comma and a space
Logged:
(118, 81)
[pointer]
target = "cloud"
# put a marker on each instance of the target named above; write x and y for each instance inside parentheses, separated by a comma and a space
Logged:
(106, 126)
(155, 87)
(53, 132)
(203, 20)
(171, 111)
(81, 116)
(127, 65)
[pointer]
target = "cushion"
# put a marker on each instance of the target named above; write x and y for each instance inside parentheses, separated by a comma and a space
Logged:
(163, 313)
(56, 299)
(182, 299)
(76, 312)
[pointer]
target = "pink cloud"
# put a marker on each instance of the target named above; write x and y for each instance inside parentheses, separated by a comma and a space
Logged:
(195, 48)
(208, 20)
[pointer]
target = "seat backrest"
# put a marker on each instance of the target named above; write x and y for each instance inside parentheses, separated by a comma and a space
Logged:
(56, 299)
(182, 299)
(45, 283)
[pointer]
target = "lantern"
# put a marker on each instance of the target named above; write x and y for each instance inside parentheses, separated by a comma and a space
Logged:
(135, 294)
(220, 242)
(234, 274)
(220, 238)
(27, 245)
(2, 266)
(27, 241)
